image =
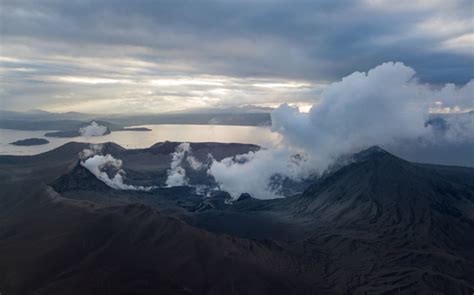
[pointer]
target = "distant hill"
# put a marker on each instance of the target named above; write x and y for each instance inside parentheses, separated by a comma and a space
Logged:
(41, 120)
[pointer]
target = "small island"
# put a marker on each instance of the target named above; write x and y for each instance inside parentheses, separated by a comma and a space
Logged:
(68, 133)
(136, 129)
(30, 141)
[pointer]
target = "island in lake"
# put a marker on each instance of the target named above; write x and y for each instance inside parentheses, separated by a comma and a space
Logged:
(31, 141)
(136, 129)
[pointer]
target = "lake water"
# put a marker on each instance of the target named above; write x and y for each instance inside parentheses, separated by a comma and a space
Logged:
(143, 139)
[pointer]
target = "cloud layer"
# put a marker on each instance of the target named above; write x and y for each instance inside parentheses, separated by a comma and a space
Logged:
(101, 56)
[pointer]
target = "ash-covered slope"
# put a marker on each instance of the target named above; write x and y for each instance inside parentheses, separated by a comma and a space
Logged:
(381, 189)
(389, 225)
(53, 245)
(79, 178)
(379, 225)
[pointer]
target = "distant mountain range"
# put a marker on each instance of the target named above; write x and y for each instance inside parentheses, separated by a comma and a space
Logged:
(376, 225)
(42, 120)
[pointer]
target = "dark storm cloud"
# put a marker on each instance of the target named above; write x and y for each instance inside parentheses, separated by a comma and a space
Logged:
(314, 41)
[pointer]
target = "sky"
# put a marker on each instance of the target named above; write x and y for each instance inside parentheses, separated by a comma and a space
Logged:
(160, 56)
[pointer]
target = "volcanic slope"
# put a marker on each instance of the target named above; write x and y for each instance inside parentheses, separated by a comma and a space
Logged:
(53, 245)
(378, 225)
(386, 225)
(50, 244)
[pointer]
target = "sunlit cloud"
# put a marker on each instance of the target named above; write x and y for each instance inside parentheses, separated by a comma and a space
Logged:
(181, 82)
(449, 110)
(144, 94)
(134, 59)
(464, 44)
(305, 108)
(438, 26)
(13, 69)
(405, 5)
(88, 80)
(282, 85)
(9, 59)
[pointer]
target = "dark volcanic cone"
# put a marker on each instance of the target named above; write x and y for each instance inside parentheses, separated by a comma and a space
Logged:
(380, 192)
(392, 225)
(79, 178)
(380, 188)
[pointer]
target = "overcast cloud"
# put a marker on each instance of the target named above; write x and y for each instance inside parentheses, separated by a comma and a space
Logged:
(122, 56)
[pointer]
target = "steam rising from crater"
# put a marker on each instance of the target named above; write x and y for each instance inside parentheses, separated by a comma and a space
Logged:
(103, 165)
(194, 163)
(381, 107)
(177, 173)
(93, 129)
(384, 106)
(258, 173)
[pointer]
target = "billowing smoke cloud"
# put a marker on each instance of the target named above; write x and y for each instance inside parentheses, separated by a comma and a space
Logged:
(452, 98)
(93, 149)
(259, 172)
(194, 163)
(93, 129)
(99, 164)
(381, 107)
(176, 173)
(458, 128)
(378, 107)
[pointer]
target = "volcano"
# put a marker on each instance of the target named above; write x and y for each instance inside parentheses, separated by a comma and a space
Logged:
(391, 225)
(376, 225)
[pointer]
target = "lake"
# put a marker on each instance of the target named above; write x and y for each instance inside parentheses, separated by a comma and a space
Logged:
(142, 139)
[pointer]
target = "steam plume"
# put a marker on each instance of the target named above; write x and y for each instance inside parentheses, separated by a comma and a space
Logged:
(194, 163)
(176, 173)
(93, 149)
(258, 172)
(93, 129)
(381, 107)
(98, 164)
